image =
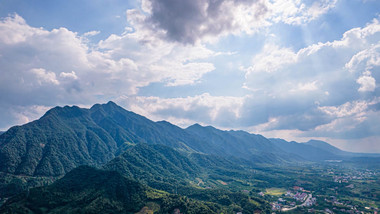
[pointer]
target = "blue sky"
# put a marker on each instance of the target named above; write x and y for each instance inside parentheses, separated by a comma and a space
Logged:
(292, 69)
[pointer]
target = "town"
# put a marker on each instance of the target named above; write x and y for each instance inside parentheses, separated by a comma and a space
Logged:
(334, 190)
(297, 197)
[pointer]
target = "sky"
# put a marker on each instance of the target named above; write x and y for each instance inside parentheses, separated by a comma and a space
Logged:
(291, 69)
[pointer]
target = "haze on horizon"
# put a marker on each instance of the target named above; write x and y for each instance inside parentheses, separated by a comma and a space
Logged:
(297, 70)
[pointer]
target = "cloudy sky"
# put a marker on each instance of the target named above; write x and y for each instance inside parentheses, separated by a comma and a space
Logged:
(295, 69)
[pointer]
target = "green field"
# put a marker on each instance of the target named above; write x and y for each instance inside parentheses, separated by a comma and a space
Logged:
(275, 191)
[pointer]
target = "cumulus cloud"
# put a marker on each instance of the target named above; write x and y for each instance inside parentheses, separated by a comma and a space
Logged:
(91, 33)
(360, 125)
(366, 61)
(185, 111)
(20, 114)
(187, 21)
(70, 75)
(45, 76)
(346, 109)
(299, 12)
(309, 86)
(367, 83)
(271, 59)
(156, 60)
(57, 67)
(190, 21)
(318, 89)
(227, 112)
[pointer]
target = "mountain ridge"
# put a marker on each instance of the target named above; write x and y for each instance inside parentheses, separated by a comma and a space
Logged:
(70, 136)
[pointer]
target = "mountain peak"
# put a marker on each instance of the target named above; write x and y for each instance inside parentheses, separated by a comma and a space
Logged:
(312, 141)
(109, 106)
(195, 125)
(64, 111)
(111, 103)
(198, 126)
(164, 122)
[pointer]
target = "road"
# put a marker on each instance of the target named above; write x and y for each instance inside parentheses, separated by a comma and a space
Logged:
(301, 205)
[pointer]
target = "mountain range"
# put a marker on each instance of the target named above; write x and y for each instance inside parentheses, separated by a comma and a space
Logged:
(67, 137)
(108, 159)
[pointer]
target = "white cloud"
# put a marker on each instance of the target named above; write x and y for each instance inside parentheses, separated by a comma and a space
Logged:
(321, 60)
(299, 12)
(58, 67)
(364, 62)
(45, 76)
(309, 86)
(346, 109)
(185, 111)
(184, 74)
(317, 89)
(20, 114)
(351, 120)
(365, 59)
(59, 52)
(271, 59)
(70, 75)
(14, 30)
(91, 33)
(158, 60)
(362, 42)
(367, 83)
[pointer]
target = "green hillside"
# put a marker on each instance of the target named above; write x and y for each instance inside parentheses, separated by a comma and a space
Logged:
(154, 163)
(89, 190)
(61, 140)
(83, 190)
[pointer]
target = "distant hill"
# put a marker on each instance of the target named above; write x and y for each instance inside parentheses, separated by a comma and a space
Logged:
(316, 150)
(327, 147)
(231, 143)
(306, 151)
(240, 144)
